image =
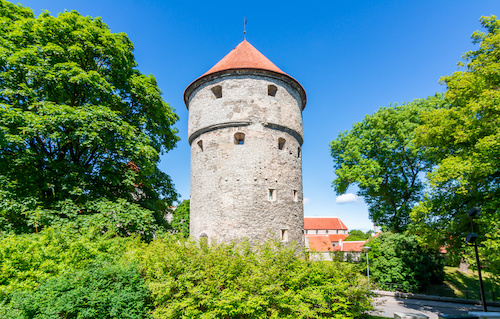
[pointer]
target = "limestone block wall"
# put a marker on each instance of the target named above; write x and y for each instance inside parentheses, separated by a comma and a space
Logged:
(244, 98)
(251, 188)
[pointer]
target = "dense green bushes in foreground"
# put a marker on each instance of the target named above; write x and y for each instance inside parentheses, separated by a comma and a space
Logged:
(68, 274)
(399, 258)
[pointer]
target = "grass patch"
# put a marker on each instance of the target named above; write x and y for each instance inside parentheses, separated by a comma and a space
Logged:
(466, 285)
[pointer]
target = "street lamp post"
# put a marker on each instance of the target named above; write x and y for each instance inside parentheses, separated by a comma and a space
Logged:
(367, 249)
(472, 239)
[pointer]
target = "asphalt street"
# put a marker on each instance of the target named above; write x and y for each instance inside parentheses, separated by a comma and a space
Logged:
(386, 306)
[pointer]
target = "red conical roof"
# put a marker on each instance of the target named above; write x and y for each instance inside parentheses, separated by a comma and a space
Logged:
(244, 56)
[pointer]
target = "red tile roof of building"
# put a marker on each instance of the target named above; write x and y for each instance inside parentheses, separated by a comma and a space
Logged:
(356, 246)
(320, 243)
(244, 56)
(323, 223)
(337, 237)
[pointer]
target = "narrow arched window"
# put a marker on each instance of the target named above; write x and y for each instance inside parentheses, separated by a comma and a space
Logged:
(295, 195)
(298, 151)
(271, 194)
(200, 144)
(271, 90)
(281, 143)
(217, 91)
(239, 138)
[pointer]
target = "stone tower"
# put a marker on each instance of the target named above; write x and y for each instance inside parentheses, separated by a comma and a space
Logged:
(245, 132)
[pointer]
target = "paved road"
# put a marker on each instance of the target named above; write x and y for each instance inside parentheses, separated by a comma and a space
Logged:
(386, 306)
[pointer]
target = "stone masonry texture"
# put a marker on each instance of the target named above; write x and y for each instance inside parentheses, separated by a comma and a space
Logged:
(254, 189)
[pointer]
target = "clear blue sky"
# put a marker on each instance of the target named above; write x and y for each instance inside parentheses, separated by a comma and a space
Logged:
(351, 57)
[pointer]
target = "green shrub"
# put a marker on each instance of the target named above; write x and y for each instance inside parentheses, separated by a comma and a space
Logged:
(62, 273)
(66, 273)
(98, 291)
(28, 260)
(398, 258)
(188, 280)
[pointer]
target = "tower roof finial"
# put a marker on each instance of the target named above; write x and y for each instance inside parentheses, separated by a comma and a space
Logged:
(244, 28)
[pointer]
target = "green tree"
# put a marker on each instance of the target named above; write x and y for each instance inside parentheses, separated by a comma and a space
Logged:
(379, 156)
(80, 127)
(180, 219)
(399, 258)
(356, 235)
(465, 141)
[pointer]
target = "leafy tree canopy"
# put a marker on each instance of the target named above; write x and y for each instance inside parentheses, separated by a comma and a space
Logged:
(180, 219)
(356, 235)
(80, 126)
(379, 156)
(399, 258)
(465, 140)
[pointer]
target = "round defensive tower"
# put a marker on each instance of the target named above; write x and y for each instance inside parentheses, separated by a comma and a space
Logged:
(245, 132)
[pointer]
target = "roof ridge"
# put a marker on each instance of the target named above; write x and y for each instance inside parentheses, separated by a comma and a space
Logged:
(321, 217)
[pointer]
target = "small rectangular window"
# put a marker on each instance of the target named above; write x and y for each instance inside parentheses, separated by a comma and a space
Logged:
(272, 194)
(217, 91)
(239, 138)
(295, 195)
(271, 90)
(281, 143)
(284, 235)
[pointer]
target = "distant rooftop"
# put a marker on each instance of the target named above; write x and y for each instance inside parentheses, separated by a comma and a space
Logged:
(320, 243)
(355, 246)
(311, 223)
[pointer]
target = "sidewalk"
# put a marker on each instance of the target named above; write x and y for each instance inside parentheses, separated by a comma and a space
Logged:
(431, 297)
(387, 303)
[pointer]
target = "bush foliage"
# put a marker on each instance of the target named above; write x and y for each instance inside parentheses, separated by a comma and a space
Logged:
(243, 281)
(398, 258)
(74, 274)
(180, 219)
(101, 290)
(63, 273)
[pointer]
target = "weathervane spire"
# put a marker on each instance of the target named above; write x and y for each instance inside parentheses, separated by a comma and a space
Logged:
(244, 28)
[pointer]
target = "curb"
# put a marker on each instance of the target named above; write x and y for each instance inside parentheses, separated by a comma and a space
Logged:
(435, 298)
